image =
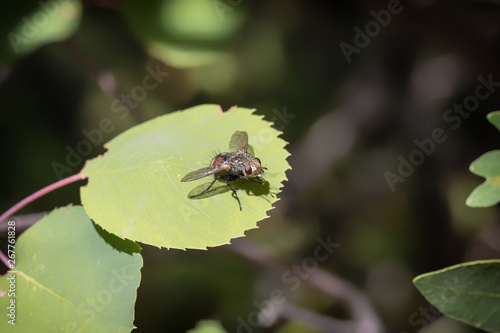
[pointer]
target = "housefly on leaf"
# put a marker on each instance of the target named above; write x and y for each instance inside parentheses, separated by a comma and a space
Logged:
(231, 166)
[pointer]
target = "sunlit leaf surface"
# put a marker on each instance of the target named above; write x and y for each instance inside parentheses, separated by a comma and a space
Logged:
(135, 189)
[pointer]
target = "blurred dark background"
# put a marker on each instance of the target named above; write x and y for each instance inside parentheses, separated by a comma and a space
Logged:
(352, 86)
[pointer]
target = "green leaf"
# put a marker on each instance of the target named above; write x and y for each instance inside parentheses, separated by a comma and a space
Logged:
(68, 278)
(488, 193)
(207, 326)
(488, 166)
(467, 292)
(135, 189)
(29, 26)
(183, 33)
(494, 118)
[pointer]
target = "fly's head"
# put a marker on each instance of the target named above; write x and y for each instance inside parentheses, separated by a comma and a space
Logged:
(254, 169)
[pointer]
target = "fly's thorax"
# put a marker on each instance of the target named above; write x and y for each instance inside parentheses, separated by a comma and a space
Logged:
(249, 166)
(238, 163)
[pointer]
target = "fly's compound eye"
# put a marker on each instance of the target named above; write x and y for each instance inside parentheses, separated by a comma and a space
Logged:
(248, 170)
(259, 164)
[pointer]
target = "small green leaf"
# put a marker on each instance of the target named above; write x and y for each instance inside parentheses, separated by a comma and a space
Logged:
(488, 193)
(183, 33)
(31, 25)
(488, 166)
(208, 326)
(467, 292)
(494, 118)
(69, 278)
(135, 189)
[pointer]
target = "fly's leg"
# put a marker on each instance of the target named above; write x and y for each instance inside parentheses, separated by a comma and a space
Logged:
(228, 179)
(253, 181)
(234, 191)
(209, 186)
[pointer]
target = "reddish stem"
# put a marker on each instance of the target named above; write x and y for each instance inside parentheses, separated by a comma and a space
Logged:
(39, 194)
(4, 259)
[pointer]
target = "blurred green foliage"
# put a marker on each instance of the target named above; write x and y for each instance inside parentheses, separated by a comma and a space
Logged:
(347, 124)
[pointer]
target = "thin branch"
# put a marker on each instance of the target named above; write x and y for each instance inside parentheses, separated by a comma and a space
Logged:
(23, 222)
(4, 259)
(104, 79)
(39, 194)
(364, 318)
(315, 320)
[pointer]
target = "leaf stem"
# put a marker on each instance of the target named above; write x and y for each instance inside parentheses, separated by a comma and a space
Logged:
(4, 259)
(39, 194)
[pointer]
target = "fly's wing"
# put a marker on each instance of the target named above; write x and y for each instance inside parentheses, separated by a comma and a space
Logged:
(200, 173)
(239, 142)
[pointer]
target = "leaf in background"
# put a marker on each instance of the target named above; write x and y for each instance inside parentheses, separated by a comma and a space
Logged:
(467, 292)
(488, 166)
(29, 26)
(69, 278)
(135, 192)
(207, 326)
(184, 33)
(494, 118)
(488, 193)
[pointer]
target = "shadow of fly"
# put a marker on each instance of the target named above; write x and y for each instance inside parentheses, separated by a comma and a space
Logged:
(231, 166)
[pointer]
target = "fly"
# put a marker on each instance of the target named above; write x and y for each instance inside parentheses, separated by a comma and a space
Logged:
(231, 166)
